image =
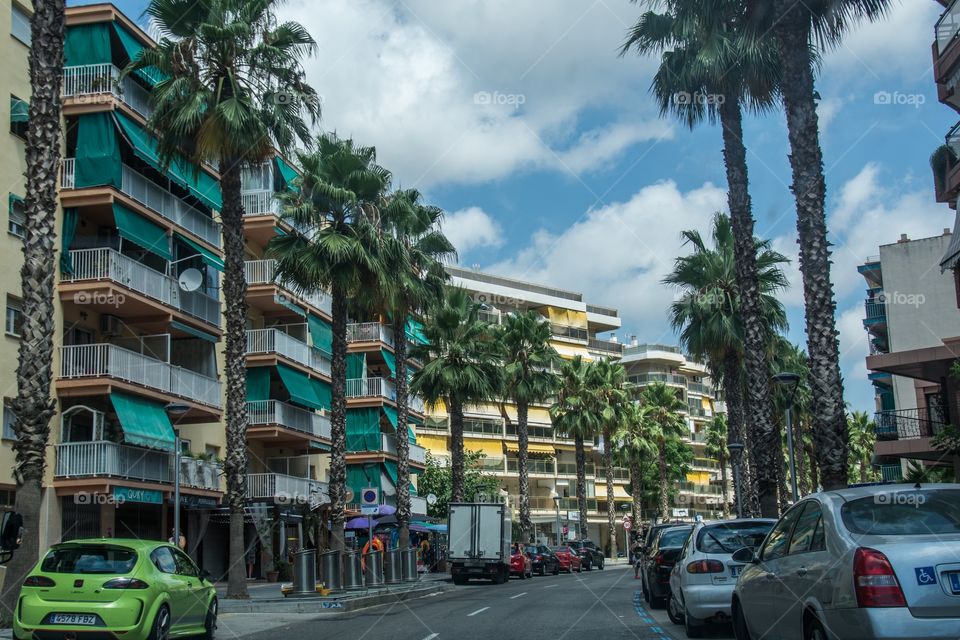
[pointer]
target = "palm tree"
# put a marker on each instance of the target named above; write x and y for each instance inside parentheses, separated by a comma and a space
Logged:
(234, 89)
(461, 368)
(711, 67)
(607, 381)
(716, 447)
(665, 425)
(33, 405)
(337, 207)
(634, 448)
(862, 438)
(571, 418)
(528, 362)
(414, 251)
(800, 27)
(707, 314)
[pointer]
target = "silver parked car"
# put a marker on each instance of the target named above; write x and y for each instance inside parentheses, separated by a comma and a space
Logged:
(868, 562)
(702, 580)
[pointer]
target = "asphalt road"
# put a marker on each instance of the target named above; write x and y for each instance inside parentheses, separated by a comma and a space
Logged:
(594, 605)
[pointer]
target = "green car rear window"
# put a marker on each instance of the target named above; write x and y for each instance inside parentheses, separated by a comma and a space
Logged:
(89, 559)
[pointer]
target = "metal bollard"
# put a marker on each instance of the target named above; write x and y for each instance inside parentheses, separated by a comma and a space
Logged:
(392, 573)
(352, 575)
(305, 571)
(408, 563)
(331, 570)
(373, 569)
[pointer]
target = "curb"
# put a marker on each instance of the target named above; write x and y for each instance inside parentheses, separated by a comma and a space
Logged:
(327, 605)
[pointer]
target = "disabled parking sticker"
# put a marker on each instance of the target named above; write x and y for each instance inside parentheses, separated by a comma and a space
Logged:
(925, 576)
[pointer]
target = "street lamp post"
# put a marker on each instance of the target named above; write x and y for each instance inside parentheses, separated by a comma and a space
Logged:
(176, 410)
(790, 381)
(736, 451)
(556, 504)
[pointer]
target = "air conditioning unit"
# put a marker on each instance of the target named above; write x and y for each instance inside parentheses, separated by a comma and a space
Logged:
(110, 325)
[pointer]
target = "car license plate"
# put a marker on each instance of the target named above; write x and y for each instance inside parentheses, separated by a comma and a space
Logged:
(954, 582)
(735, 570)
(73, 618)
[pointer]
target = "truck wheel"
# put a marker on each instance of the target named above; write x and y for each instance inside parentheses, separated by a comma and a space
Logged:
(459, 580)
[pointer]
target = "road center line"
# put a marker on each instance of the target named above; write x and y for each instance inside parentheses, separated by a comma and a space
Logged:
(431, 636)
(469, 615)
(518, 595)
(550, 586)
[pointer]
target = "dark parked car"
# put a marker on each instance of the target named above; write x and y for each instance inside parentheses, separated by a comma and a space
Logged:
(543, 559)
(590, 555)
(659, 561)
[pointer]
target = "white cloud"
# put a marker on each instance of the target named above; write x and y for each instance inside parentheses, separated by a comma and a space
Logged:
(472, 228)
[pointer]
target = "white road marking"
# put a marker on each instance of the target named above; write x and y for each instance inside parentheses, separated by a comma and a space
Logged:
(431, 636)
(469, 615)
(550, 586)
(518, 595)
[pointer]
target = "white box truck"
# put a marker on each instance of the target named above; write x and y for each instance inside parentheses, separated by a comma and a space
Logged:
(479, 541)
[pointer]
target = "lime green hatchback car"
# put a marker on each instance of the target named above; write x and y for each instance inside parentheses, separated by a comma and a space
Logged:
(106, 588)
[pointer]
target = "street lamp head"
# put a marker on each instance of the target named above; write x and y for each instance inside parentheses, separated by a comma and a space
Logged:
(735, 447)
(177, 409)
(787, 379)
(557, 498)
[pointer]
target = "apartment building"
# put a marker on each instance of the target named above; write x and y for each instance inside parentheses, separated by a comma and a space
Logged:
(701, 494)
(492, 427)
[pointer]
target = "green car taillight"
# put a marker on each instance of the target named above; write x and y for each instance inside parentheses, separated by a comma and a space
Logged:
(125, 583)
(39, 581)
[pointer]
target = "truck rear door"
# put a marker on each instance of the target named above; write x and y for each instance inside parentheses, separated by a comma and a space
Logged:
(461, 527)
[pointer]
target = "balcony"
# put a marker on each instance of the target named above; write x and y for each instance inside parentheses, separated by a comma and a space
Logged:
(103, 459)
(264, 273)
(84, 81)
(619, 474)
(534, 467)
(946, 55)
(379, 388)
(946, 167)
(547, 503)
(666, 378)
(700, 388)
(567, 332)
(286, 489)
(875, 316)
(274, 413)
(388, 444)
(151, 195)
(907, 424)
(653, 350)
(705, 464)
(605, 346)
(570, 469)
(274, 342)
(700, 489)
(107, 264)
(369, 332)
(483, 428)
(91, 361)
(260, 203)
(534, 432)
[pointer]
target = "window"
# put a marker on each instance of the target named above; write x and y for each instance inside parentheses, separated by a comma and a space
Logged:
(776, 544)
(19, 116)
(904, 513)
(89, 559)
(184, 446)
(14, 317)
(8, 417)
(807, 526)
(728, 538)
(17, 216)
(20, 24)
(163, 560)
(185, 566)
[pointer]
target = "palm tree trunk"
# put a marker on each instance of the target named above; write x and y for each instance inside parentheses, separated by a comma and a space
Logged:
(809, 189)
(457, 474)
(338, 417)
(636, 491)
(524, 441)
(814, 472)
(722, 460)
(33, 405)
(864, 465)
(664, 497)
(235, 297)
(758, 410)
(403, 443)
(782, 489)
(581, 455)
(801, 460)
(611, 503)
(735, 431)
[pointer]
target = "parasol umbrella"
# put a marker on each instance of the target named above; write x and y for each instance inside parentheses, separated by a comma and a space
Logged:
(386, 510)
(360, 523)
(386, 520)
(419, 528)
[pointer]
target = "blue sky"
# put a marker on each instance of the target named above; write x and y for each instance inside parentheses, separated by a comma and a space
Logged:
(549, 155)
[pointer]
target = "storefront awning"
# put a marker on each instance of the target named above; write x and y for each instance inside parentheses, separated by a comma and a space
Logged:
(546, 449)
(140, 231)
(299, 386)
(209, 258)
(144, 422)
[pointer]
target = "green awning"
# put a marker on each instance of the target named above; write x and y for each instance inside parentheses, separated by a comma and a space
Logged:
(132, 47)
(279, 231)
(391, 414)
(321, 333)
(200, 184)
(145, 423)
(87, 44)
(141, 231)
(391, 361)
(299, 387)
(356, 365)
(258, 384)
(196, 333)
(285, 302)
(19, 110)
(98, 152)
(414, 331)
(67, 232)
(357, 480)
(209, 258)
(363, 429)
(391, 468)
(324, 395)
(288, 173)
(319, 446)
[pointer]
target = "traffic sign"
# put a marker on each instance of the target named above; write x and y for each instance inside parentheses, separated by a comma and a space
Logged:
(627, 524)
(573, 515)
(369, 501)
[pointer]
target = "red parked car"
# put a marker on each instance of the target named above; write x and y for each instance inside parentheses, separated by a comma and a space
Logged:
(520, 563)
(569, 559)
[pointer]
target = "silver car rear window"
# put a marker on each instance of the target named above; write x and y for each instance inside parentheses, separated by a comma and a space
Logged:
(728, 537)
(904, 513)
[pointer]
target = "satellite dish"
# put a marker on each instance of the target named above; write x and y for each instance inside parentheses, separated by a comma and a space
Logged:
(431, 499)
(190, 280)
(348, 496)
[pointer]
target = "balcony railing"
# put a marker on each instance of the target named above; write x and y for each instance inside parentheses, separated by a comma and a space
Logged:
(379, 388)
(533, 466)
(705, 489)
(666, 378)
(388, 444)
(483, 427)
(157, 199)
(261, 341)
(947, 27)
(565, 331)
(111, 361)
(268, 412)
(265, 272)
(102, 458)
(699, 387)
(260, 203)
(283, 487)
(109, 264)
(369, 332)
(98, 79)
(570, 469)
(547, 503)
(608, 346)
(645, 348)
(618, 474)
(704, 463)
(907, 424)
(875, 311)
(534, 432)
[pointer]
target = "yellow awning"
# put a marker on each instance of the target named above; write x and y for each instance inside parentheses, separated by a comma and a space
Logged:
(706, 403)
(487, 410)
(433, 444)
(489, 447)
(565, 447)
(514, 447)
(535, 415)
(570, 351)
(619, 493)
